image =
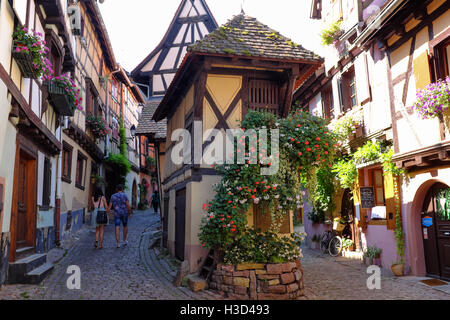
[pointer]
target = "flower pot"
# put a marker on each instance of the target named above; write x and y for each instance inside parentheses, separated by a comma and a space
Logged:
(377, 262)
(368, 261)
(25, 62)
(59, 99)
(398, 269)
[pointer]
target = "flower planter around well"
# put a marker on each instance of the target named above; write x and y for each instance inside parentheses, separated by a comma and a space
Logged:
(25, 62)
(59, 99)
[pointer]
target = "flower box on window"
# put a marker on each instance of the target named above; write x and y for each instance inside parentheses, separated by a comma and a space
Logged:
(63, 95)
(24, 60)
(59, 99)
(29, 51)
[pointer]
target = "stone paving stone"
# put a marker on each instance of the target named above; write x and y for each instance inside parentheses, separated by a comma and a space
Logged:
(328, 278)
(136, 273)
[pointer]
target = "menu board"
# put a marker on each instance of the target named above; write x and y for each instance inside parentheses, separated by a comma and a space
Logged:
(367, 197)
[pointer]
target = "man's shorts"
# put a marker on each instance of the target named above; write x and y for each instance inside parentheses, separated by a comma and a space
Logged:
(121, 219)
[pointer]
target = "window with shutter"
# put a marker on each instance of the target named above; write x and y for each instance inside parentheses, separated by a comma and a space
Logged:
(264, 96)
(81, 166)
(46, 189)
(328, 102)
(67, 163)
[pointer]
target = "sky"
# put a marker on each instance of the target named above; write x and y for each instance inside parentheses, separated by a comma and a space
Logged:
(136, 27)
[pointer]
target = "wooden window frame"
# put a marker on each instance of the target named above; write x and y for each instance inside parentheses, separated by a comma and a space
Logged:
(438, 57)
(375, 187)
(348, 83)
(67, 148)
(81, 158)
(328, 102)
(47, 185)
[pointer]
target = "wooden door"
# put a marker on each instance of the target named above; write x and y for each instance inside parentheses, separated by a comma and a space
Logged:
(180, 224)
(22, 205)
(429, 236)
(436, 235)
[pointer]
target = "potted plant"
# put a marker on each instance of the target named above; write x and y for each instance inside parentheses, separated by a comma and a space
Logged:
(29, 51)
(63, 94)
(316, 216)
(331, 34)
(348, 244)
(315, 242)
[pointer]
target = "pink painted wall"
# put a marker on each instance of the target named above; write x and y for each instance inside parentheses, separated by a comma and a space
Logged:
(383, 239)
(310, 228)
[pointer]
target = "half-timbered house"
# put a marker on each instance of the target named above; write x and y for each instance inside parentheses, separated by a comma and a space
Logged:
(30, 139)
(385, 52)
(244, 65)
(192, 21)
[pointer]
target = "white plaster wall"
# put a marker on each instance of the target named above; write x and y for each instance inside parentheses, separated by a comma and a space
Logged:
(7, 129)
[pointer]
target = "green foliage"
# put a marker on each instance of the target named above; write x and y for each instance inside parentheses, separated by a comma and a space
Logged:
(346, 172)
(330, 34)
(371, 151)
(346, 126)
(399, 238)
(316, 216)
(347, 243)
(119, 162)
(372, 252)
(254, 247)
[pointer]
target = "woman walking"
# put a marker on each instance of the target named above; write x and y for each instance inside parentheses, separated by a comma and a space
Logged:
(100, 206)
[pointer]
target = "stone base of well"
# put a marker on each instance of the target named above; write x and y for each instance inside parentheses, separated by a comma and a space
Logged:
(259, 281)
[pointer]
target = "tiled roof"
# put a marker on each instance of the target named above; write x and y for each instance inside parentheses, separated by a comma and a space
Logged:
(148, 126)
(246, 36)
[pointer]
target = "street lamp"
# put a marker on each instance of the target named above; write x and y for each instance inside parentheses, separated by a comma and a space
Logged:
(133, 132)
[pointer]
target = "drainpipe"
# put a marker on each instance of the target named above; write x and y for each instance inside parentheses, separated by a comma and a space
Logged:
(161, 203)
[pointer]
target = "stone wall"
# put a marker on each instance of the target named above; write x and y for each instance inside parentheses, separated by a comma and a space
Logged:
(259, 281)
(4, 256)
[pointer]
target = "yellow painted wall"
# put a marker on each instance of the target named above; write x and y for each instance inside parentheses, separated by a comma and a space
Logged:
(72, 197)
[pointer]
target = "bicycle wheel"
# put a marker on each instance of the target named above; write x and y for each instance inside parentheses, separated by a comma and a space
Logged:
(335, 247)
(324, 242)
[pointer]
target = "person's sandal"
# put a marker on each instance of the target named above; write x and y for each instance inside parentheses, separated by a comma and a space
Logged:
(96, 244)
(101, 246)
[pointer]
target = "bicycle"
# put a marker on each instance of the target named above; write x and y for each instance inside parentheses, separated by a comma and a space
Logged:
(331, 242)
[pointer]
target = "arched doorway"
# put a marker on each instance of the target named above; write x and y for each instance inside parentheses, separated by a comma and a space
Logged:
(435, 222)
(134, 195)
(348, 214)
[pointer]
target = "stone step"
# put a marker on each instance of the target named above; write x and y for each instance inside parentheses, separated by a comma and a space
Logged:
(19, 269)
(24, 252)
(37, 275)
(196, 283)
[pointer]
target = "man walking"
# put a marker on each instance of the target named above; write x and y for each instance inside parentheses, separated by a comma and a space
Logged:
(155, 201)
(122, 210)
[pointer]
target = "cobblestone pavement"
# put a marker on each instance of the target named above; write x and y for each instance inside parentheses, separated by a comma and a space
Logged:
(137, 272)
(132, 272)
(327, 278)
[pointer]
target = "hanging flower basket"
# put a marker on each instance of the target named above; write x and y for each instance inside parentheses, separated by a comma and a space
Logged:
(63, 95)
(59, 99)
(24, 60)
(29, 51)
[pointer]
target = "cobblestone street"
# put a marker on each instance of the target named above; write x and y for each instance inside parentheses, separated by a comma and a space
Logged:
(328, 278)
(135, 272)
(127, 273)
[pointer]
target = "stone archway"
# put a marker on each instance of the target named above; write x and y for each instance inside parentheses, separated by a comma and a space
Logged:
(413, 228)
